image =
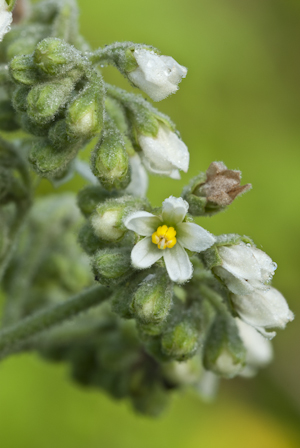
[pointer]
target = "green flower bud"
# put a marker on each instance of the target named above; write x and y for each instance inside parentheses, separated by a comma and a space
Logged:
(107, 220)
(24, 71)
(47, 160)
(45, 100)
(112, 266)
(224, 352)
(152, 300)
(55, 57)
(110, 161)
(40, 130)
(89, 198)
(181, 341)
(84, 116)
(19, 98)
(59, 137)
(8, 121)
(89, 242)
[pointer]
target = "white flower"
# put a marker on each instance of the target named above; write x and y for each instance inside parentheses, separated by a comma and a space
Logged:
(244, 268)
(167, 236)
(259, 351)
(263, 310)
(158, 76)
(164, 154)
(139, 178)
(5, 19)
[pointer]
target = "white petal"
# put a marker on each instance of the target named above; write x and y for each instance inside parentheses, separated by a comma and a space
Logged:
(178, 264)
(194, 237)
(139, 178)
(143, 223)
(234, 284)
(5, 19)
(158, 76)
(238, 259)
(263, 309)
(259, 350)
(267, 266)
(226, 365)
(166, 151)
(174, 210)
(145, 254)
(158, 170)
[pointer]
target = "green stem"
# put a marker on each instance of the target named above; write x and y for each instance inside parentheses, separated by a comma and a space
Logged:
(107, 55)
(11, 338)
(215, 299)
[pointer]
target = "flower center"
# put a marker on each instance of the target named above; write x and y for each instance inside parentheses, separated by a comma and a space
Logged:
(164, 237)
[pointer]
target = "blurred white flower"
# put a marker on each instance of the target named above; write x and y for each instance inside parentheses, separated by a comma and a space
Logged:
(158, 76)
(263, 310)
(167, 236)
(5, 19)
(259, 351)
(244, 268)
(165, 153)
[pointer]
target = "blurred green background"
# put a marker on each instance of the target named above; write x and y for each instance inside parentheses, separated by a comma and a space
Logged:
(239, 104)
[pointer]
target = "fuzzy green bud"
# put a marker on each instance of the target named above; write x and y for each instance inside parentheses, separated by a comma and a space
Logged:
(84, 116)
(47, 160)
(107, 220)
(112, 266)
(152, 300)
(59, 137)
(89, 197)
(110, 161)
(19, 98)
(181, 341)
(24, 71)
(87, 239)
(55, 57)
(224, 352)
(45, 100)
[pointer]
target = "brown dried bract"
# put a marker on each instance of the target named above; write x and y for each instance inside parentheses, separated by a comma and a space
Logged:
(222, 185)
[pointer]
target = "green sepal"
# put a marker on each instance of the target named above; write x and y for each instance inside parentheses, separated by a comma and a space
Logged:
(223, 337)
(19, 98)
(153, 298)
(112, 266)
(89, 197)
(23, 70)
(90, 242)
(181, 340)
(45, 100)
(55, 57)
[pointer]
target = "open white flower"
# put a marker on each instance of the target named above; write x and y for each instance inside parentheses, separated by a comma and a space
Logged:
(158, 76)
(244, 268)
(165, 153)
(5, 19)
(166, 236)
(263, 310)
(259, 351)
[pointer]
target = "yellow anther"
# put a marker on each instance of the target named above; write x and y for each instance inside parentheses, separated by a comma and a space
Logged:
(164, 237)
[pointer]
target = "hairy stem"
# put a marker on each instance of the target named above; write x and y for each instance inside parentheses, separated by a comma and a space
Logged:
(12, 338)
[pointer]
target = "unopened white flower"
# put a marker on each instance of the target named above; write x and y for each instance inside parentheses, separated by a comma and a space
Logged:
(158, 76)
(263, 310)
(165, 153)
(259, 351)
(139, 178)
(227, 365)
(167, 236)
(5, 19)
(244, 268)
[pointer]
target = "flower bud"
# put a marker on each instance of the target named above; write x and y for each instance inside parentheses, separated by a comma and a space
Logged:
(45, 100)
(107, 220)
(59, 137)
(87, 239)
(212, 192)
(7, 117)
(152, 300)
(89, 197)
(19, 98)
(181, 341)
(112, 266)
(156, 75)
(24, 71)
(40, 130)
(47, 160)
(55, 57)
(84, 116)
(110, 161)
(224, 352)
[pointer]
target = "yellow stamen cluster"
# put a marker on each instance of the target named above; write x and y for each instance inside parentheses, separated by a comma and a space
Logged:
(164, 237)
